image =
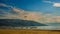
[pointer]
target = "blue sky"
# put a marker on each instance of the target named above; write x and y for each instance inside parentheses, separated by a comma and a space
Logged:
(34, 5)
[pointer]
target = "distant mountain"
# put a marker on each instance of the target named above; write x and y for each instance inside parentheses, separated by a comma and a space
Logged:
(53, 24)
(19, 22)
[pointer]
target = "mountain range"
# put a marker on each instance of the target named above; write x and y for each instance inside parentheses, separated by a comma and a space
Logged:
(19, 22)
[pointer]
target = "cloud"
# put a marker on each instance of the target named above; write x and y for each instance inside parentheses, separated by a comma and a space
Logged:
(4, 5)
(1, 4)
(17, 10)
(48, 1)
(56, 4)
(29, 15)
(36, 16)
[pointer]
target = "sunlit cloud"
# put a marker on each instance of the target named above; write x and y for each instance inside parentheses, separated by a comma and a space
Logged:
(56, 4)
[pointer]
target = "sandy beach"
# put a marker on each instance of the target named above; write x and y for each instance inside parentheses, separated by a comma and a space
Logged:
(17, 31)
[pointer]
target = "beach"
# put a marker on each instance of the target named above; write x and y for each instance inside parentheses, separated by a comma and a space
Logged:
(17, 31)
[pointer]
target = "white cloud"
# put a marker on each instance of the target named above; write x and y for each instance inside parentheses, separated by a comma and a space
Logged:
(56, 4)
(4, 5)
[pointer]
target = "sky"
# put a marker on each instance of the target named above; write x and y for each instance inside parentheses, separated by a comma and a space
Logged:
(36, 10)
(45, 6)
